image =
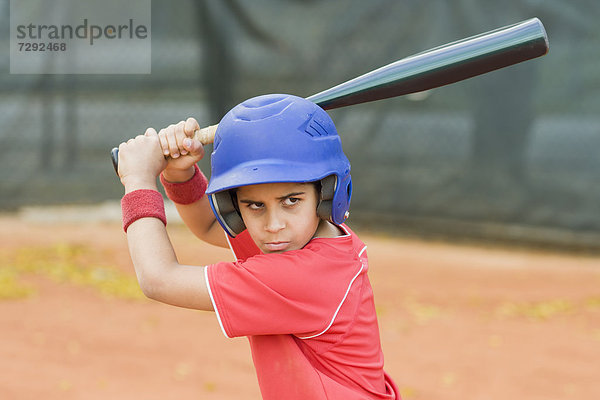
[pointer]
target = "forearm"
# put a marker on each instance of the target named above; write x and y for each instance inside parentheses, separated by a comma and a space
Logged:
(151, 253)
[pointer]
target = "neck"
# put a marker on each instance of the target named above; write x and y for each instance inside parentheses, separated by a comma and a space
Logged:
(328, 230)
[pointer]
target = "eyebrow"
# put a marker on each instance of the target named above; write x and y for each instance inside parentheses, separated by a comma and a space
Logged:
(249, 201)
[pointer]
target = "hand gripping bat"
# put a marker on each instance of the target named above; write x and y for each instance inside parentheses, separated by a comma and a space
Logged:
(429, 69)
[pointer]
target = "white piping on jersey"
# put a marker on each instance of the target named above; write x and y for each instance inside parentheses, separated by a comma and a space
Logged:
(230, 246)
(212, 299)
(362, 251)
(345, 231)
(362, 266)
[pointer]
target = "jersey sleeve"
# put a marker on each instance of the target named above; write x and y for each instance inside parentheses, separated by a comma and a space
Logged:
(297, 292)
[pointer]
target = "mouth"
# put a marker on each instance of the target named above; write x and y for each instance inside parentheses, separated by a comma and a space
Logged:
(276, 246)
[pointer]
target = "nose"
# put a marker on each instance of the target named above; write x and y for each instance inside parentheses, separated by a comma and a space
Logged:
(274, 222)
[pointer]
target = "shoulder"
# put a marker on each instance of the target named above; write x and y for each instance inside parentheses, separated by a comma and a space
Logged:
(347, 243)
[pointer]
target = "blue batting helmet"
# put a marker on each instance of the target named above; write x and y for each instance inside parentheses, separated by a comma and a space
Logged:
(278, 138)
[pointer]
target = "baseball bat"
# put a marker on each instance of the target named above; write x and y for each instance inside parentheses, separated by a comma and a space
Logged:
(429, 69)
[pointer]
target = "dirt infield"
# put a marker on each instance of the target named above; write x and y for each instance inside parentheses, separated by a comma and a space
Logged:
(457, 322)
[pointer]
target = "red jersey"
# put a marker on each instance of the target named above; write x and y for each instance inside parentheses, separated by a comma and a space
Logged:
(309, 315)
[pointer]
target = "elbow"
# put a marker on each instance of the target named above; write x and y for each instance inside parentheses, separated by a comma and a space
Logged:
(152, 285)
(148, 288)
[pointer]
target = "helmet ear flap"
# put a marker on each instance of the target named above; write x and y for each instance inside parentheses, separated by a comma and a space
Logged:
(224, 206)
(325, 206)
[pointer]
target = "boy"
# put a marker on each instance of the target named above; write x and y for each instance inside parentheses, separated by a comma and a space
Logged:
(280, 188)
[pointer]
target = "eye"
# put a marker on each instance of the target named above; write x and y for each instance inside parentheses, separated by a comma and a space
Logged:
(290, 201)
(255, 206)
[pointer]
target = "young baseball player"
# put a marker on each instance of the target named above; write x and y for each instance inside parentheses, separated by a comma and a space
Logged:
(279, 193)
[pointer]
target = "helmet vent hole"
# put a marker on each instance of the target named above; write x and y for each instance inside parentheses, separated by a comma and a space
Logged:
(315, 128)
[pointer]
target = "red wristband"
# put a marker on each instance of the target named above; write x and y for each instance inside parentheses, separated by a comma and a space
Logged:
(142, 203)
(186, 192)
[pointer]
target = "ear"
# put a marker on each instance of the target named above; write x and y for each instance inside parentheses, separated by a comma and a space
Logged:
(326, 202)
(226, 210)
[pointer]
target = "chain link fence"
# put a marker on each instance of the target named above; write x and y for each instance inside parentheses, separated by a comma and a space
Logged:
(509, 154)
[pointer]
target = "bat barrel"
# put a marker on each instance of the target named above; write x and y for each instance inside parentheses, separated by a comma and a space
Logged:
(442, 65)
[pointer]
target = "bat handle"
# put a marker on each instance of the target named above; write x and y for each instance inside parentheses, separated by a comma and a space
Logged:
(205, 135)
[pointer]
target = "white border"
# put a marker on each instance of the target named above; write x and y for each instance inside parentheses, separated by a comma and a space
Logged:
(235, 257)
(212, 299)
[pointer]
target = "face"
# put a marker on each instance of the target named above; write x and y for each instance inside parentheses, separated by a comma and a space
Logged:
(279, 216)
